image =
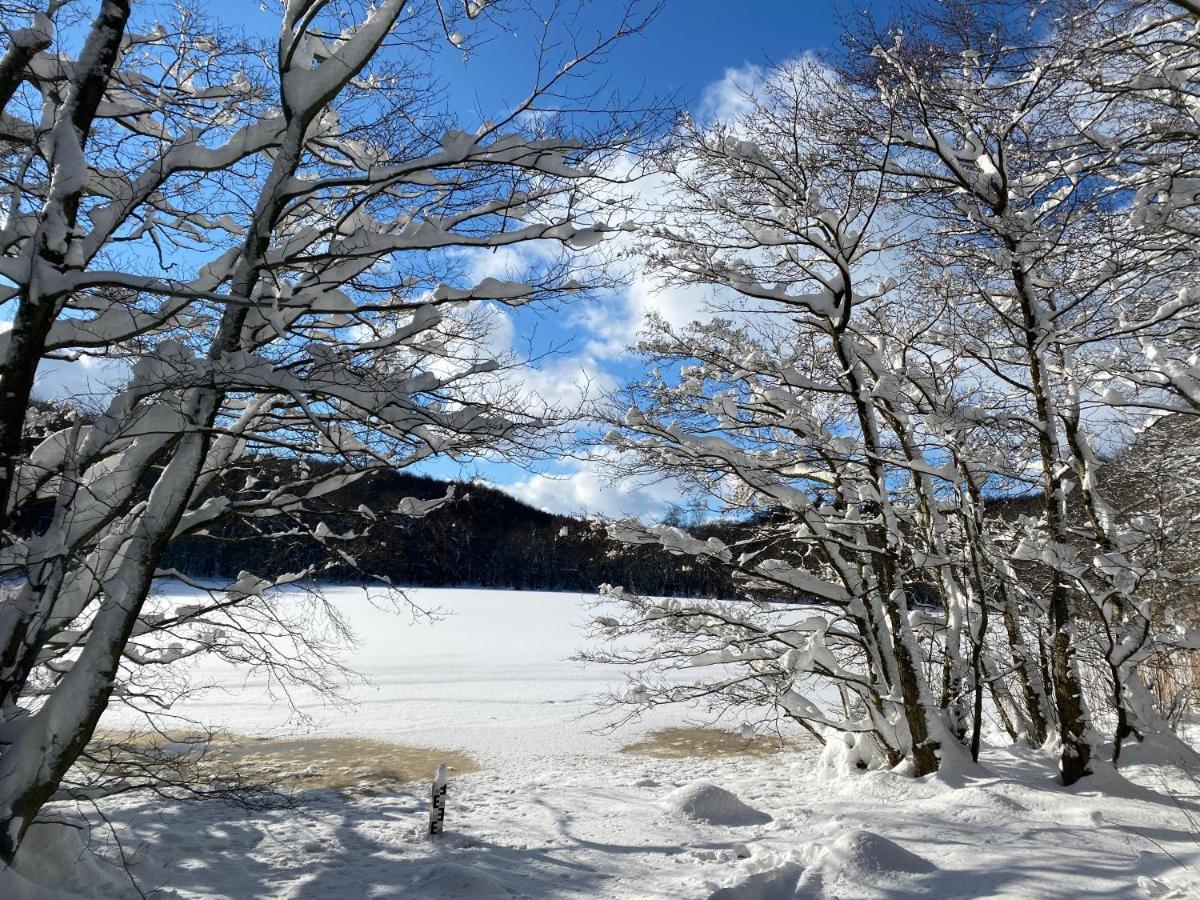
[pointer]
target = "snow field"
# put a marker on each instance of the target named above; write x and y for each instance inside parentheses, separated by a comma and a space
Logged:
(613, 828)
(556, 813)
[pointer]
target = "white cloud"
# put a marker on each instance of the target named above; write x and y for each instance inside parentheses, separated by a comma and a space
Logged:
(569, 381)
(87, 381)
(614, 324)
(610, 324)
(510, 262)
(731, 96)
(583, 488)
(501, 332)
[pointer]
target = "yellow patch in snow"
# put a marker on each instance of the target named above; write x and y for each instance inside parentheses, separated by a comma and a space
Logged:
(683, 742)
(304, 763)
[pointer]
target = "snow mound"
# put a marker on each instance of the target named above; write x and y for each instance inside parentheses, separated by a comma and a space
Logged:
(451, 881)
(54, 863)
(778, 883)
(871, 854)
(704, 802)
(980, 806)
(14, 887)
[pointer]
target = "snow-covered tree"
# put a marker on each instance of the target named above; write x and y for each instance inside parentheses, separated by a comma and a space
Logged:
(1024, 169)
(954, 269)
(270, 236)
(1140, 62)
(792, 409)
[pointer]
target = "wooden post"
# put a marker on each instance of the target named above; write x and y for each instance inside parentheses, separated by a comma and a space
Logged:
(437, 801)
(437, 810)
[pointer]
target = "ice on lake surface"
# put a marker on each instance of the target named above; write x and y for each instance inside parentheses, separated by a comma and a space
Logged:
(493, 677)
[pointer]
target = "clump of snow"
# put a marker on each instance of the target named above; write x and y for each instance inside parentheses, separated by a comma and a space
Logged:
(704, 802)
(863, 856)
(848, 754)
(452, 880)
(778, 883)
(1161, 890)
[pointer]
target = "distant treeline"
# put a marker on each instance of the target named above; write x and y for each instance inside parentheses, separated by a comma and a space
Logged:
(481, 538)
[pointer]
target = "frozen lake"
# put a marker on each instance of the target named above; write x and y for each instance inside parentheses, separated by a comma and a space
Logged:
(493, 677)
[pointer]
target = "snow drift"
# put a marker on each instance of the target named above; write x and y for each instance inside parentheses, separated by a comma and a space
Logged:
(703, 802)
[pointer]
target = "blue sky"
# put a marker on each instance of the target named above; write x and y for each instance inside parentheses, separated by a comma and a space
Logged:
(698, 52)
(686, 48)
(695, 51)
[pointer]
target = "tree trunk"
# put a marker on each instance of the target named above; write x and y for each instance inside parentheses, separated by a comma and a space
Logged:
(46, 746)
(1073, 723)
(1029, 676)
(36, 311)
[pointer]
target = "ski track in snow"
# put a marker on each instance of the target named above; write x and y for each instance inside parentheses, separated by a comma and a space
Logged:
(556, 813)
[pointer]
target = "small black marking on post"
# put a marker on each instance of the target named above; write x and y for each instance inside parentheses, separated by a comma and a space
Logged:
(437, 809)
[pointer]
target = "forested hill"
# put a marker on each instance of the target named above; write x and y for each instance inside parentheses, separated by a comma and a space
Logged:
(482, 538)
(487, 538)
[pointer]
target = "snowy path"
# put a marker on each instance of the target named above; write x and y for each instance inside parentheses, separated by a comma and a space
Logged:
(555, 813)
(595, 828)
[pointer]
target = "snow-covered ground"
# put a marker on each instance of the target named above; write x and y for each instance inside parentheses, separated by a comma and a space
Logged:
(556, 812)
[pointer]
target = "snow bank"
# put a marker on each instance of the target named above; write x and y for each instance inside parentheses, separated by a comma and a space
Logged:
(778, 883)
(14, 887)
(450, 880)
(556, 812)
(54, 864)
(979, 806)
(860, 863)
(864, 852)
(703, 802)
